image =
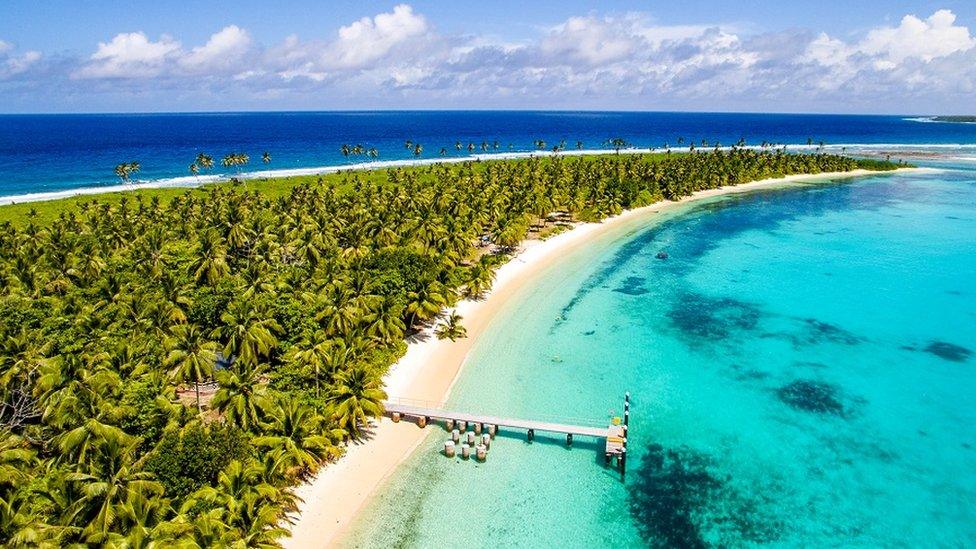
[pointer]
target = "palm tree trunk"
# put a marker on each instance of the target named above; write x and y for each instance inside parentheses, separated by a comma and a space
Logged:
(196, 385)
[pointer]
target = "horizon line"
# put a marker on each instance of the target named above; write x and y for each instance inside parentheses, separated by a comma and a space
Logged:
(448, 110)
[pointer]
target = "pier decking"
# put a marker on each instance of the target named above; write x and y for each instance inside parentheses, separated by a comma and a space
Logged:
(521, 424)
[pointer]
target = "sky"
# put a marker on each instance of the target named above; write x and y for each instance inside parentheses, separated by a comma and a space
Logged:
(861, 56)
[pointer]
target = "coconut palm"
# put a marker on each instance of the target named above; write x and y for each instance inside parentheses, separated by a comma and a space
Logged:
(106, 485)
(452, 328)
(299, 432)
(191, 356)
(357, 396)
(241, 398)
(205, 161)
(248, 332)
(125, 170)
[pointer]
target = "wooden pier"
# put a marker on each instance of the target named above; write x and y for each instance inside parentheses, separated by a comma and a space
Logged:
(614, 433)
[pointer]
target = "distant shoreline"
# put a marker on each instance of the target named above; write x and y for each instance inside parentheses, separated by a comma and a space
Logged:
(191, 182)
(950, 119)
(428, 371)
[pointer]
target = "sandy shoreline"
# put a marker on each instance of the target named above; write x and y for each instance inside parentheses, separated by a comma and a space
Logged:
(430, 367)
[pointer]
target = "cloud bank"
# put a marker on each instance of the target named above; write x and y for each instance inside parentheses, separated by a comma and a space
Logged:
(399, 59)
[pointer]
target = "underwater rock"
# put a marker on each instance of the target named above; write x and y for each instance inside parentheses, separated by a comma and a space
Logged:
(949, 351)
(662, 255)
(812, 396)
(632, 285)
(677, 501)
(701, 317)
(820, 331)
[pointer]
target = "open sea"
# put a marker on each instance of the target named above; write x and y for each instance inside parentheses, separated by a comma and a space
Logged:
(801, 366)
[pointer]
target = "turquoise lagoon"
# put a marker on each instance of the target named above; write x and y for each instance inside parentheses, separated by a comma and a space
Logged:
(801, 369)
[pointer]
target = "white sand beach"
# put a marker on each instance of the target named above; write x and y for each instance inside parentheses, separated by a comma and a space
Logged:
(430, 366)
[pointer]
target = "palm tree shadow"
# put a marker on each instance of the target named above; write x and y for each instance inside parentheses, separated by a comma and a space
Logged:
(419, 336)
(366, 434)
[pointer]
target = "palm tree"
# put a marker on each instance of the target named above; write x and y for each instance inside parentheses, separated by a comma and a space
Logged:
(106, 485)
(357, 395)
(313, 351)
(124, 171)
(190, 357)
(241, 397)
(205, 161)
(424, 304)
(452, 329)
(296, 430)
(617, 143)
(211, 265)
(266, 157)
(249, 332)
(241, 509)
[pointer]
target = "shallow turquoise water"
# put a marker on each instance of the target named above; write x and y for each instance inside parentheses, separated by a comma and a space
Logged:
(801, 373)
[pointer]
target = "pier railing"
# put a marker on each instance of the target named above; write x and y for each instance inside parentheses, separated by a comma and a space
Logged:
(446, 409)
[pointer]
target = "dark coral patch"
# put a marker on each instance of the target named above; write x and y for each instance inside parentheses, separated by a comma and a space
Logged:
(812, 396)
(701, 317)
(632, 285)
(949, 351)
(677, 501)
(819, 332)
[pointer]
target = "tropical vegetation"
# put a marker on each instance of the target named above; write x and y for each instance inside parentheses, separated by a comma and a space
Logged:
(169, 370)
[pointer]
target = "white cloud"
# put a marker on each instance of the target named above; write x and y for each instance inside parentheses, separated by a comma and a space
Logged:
(927, 39)
(130, 55)
(225, 48)
(368, 40)
(591, 40)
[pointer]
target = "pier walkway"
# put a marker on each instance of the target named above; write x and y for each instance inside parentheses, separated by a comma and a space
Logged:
(408, 410)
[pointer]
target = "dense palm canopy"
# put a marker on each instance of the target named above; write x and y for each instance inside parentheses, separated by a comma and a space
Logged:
(295, 306)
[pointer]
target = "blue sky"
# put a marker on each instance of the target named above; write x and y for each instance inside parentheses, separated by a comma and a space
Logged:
(828, 56)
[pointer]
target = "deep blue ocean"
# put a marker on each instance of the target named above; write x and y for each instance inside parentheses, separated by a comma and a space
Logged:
(51, 153)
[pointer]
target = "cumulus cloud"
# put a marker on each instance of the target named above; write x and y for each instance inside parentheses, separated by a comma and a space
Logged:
(591, 40)
(130, 55)
(369, 40)
(595, 60)
(225, 49)
(927, 39)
